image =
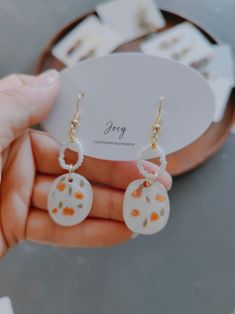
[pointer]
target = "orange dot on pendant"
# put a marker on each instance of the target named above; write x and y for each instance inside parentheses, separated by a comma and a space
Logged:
(61, 186)
(79, 195)
(68, 211)
(135, 213)
(136, 193)
(54, 210)
(154, 216)
(160, 198)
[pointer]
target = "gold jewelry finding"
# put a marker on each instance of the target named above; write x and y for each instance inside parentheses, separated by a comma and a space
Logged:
(156, 126)
(144, 21)
(90, 54)
(201, 63)
(74, 122)
(169, 43)
(75, 46)
(180, 54)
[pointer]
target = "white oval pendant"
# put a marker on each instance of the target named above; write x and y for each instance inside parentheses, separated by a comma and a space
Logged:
(70, 199)
(146, 208)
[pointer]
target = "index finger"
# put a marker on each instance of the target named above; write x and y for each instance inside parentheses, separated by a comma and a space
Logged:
(15, 80)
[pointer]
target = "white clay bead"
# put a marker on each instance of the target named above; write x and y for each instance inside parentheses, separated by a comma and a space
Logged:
(75, 146)
(159, 153)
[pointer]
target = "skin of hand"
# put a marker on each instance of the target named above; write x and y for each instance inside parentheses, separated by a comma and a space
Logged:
(29, 164)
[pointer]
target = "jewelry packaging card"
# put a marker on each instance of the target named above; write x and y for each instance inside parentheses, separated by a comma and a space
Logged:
(122, 93)
(183, 43)
(5, 306)
(131, 18)
(222, 64)
(221, 89)
(219, 73)
(91, 38)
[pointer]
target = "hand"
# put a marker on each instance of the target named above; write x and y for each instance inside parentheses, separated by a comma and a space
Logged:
(29, 164)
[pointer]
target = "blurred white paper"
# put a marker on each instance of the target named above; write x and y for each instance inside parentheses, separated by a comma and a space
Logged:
(221, 89)
(90, 38)
(131, 18)
(5, 306)
(222, 64)
(220, 76)
(183, 43)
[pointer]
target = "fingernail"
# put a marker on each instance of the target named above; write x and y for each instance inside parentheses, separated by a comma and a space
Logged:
(150, 166)
(134, 235)
(171, 183)
(47, 78)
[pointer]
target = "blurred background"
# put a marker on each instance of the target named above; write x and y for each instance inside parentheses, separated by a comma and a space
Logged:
(189, 266)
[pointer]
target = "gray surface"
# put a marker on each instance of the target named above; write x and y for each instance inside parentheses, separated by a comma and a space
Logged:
(187, 268)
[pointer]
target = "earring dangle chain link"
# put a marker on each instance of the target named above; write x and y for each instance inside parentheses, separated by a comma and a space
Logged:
(156, 126)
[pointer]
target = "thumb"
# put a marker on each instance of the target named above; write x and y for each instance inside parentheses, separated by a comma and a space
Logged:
(23, 105)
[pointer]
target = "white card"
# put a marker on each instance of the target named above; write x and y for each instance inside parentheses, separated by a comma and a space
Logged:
(221, 89)
(122, 93)
(220, 76)
(90, 38)
(183, 43)
(222, 64)
(5, 306)
(128, 17)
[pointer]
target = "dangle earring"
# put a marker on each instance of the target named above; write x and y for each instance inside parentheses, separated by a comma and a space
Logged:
(70, 197)
(146, 206)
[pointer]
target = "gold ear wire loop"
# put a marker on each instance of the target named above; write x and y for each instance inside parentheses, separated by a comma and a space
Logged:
(157, 126)
(75, 120)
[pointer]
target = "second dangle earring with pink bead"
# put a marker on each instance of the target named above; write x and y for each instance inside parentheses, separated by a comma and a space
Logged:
(146, 206)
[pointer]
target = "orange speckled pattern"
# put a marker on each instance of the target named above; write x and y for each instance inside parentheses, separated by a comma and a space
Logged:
(154, 216)
(160, 198)
(146, 206)
(135, 213)
(69, 199)
(137, 193)
(79, 195)
(61, 186)
(68, 211)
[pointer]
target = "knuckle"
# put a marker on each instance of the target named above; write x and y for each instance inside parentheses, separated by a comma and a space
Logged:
(13, 107)
(116, 205)
(112, 203)
(14, 77)
(112, 173)
(7, 132)
(13, 97)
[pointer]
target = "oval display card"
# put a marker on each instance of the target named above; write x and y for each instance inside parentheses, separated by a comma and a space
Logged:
(121, 100)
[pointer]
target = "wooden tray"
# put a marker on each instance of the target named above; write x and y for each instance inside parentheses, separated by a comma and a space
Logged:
(194, 154)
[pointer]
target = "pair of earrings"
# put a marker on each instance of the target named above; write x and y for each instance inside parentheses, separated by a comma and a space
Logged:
(146, 205)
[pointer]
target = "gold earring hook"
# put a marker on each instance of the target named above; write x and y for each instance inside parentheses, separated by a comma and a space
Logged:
(74, 122)
(156, 126)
